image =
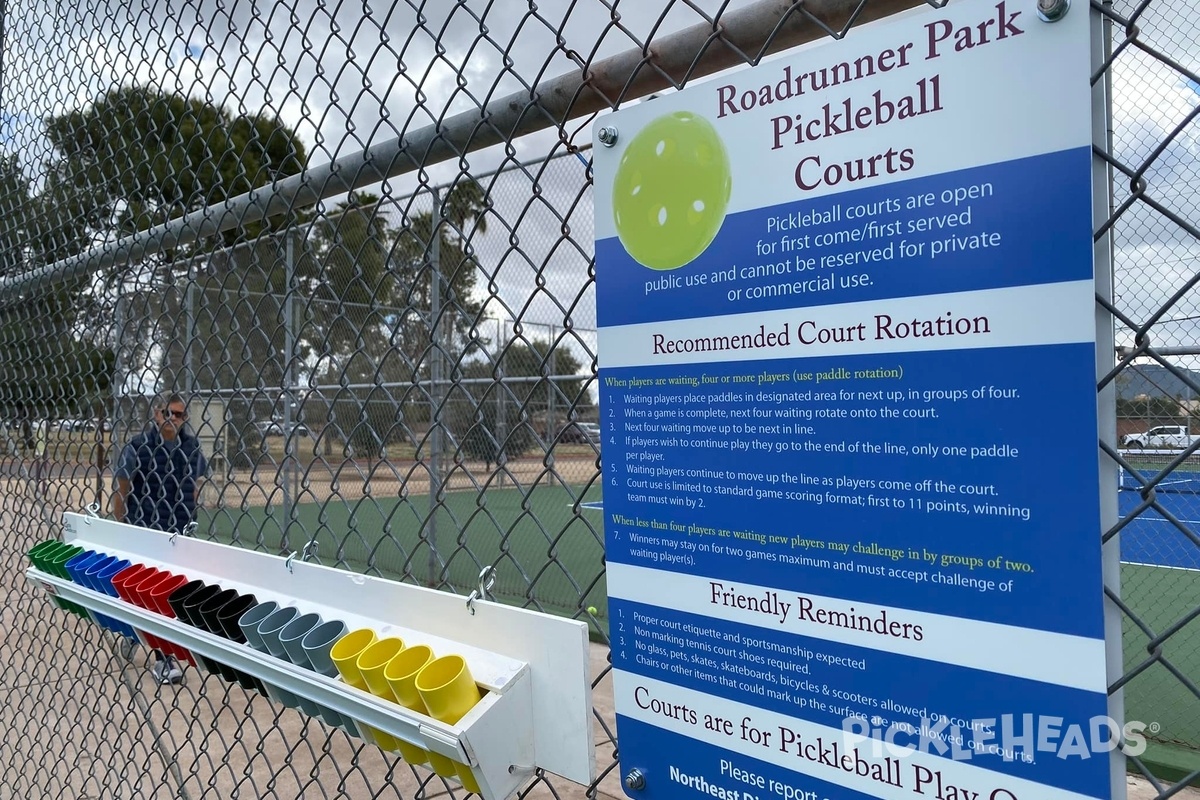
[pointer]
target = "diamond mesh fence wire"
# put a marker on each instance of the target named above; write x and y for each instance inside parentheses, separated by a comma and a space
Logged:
(1152, 69)
(358, 241)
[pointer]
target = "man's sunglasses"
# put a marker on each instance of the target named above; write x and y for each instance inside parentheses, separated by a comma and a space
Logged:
(167, 412)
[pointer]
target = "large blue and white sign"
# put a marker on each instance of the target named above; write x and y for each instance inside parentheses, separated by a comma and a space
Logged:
(846, 311)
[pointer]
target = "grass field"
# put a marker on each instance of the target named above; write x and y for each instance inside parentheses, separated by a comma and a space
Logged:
(544, 545)
(1161, 597)
(1160, 582)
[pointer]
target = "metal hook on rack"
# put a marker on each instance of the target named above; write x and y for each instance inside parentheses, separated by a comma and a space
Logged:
(487, 579)
(93, 512)
(188, 530)
(288, 562)
(310, 550)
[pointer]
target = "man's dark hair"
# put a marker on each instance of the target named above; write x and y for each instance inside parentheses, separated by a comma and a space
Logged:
(166, 398)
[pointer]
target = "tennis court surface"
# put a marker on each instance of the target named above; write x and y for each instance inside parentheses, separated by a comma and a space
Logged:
(1153, 538)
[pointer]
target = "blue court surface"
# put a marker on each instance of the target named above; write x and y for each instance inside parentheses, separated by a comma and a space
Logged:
(1151, 538)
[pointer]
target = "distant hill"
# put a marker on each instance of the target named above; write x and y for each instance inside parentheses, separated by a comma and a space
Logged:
(1154, 380)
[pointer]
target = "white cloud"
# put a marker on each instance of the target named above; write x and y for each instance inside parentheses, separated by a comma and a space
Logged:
(1152, 100)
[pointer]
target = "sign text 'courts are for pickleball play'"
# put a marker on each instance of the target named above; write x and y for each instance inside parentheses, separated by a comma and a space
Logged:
(836, 293)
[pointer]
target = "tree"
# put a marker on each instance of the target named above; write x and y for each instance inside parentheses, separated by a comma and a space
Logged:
(1158, 410)
(53, 368)
(370, 282)
(562, 389)
(50, 373)
(18, 219)
(498, 409)
(348, 275)
(138, 157)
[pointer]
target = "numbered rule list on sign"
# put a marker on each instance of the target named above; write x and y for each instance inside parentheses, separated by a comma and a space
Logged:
(837, 295)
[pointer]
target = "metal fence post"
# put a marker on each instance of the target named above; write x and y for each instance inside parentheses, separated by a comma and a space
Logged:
(436, 394)
(190, 331)
(1102, 196)
(289, 383)
(501, 424)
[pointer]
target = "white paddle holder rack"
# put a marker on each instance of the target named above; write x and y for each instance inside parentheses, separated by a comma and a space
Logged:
(536, 711)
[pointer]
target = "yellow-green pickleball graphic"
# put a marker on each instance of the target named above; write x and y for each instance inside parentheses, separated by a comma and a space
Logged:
(671, 190)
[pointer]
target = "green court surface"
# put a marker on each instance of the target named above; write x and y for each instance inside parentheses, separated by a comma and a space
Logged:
(1161, 597)
(544, 543)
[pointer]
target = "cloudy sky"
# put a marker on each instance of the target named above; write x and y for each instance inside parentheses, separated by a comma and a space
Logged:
(1152, 102)
(348, 75)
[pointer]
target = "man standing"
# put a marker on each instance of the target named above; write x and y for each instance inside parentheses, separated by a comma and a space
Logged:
(159, 478)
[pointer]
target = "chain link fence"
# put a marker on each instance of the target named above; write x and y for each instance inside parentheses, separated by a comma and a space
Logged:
(1152, 69)
(358, 240)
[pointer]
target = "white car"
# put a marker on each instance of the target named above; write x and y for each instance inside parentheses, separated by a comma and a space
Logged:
(274, 428)
(580, 433)
(1175, 437)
